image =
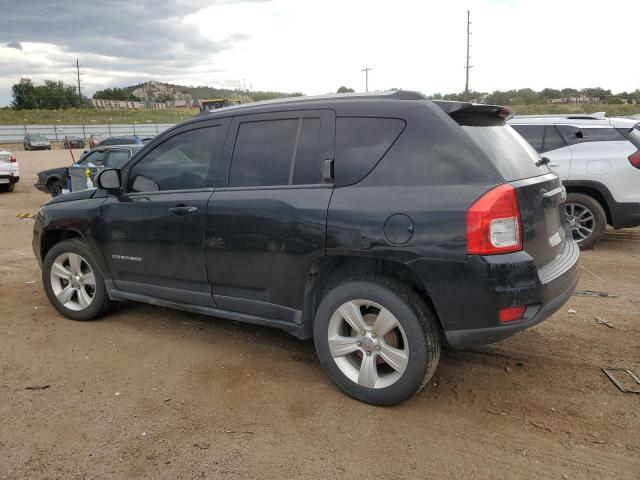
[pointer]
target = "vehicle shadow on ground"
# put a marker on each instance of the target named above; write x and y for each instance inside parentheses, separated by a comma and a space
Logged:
(456, 367)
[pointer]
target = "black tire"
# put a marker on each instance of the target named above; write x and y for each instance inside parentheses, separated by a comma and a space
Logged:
(55, 187)
(100, 303)
(10, 188)
(416, 319)
(598, 225)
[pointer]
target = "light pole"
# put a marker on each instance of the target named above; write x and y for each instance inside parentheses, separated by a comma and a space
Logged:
(366, 78)
(467, 67)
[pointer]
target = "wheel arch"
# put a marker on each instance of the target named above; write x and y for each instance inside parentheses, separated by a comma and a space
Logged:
(329, 271)
(54, 236)
(598, 193)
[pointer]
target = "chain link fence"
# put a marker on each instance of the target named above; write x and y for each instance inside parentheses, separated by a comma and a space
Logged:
(56, 133)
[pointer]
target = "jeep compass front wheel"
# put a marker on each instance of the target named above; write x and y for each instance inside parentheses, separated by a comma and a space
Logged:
(72, 282)
(377, 339)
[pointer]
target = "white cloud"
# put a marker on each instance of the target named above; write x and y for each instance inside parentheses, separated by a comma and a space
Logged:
(317, 46)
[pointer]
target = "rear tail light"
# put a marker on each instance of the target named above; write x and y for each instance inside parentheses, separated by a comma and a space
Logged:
(511, 314)
(12, 159)
(493, 223)
(634, 159)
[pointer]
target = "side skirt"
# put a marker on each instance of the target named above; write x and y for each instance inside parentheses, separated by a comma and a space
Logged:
(298, 331)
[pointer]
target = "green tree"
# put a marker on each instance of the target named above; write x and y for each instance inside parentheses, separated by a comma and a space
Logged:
(345, 90)
(115, 94)
(24, 94)
(51, 95)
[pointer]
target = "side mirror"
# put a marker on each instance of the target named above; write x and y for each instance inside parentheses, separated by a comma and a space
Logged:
(109, 180)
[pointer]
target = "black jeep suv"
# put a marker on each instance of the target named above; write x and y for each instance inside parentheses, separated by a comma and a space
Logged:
(379, 225)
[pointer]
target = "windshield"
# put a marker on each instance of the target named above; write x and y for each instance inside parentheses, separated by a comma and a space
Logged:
(38, 138)
(510, 153)
(117, 158)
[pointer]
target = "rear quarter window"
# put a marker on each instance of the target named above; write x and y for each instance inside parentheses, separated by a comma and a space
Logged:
(360, 144)
(574, 135)
(510, 153)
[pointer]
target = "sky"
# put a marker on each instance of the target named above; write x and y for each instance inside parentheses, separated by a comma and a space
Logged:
(316, 46)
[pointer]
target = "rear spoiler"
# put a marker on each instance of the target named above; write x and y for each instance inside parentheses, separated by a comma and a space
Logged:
(455, 109)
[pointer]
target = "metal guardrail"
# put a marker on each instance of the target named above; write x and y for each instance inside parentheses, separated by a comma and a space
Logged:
(56, 133)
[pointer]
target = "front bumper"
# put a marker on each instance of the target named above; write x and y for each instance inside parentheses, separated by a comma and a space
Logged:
(468, 296)
(42, 187)
(36, 238)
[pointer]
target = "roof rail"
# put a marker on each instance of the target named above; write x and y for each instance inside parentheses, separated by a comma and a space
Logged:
(384, 95)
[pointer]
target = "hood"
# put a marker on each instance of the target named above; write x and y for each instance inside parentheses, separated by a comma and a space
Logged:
(69, 197)
(60, 170)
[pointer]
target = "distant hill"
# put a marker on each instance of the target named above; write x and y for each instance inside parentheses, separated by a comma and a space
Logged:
(163, 92)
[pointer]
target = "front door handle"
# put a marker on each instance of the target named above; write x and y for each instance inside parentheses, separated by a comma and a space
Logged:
(183, 210)
(554, 164)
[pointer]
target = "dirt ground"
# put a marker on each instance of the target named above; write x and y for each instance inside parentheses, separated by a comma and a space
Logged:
(148, 392)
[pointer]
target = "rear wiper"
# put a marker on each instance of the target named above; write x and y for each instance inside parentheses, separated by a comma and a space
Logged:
(542, 161)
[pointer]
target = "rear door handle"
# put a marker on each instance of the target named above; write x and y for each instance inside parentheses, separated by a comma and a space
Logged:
(183, 210)
(554, 164)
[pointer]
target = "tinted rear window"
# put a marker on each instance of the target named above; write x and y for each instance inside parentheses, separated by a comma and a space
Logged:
(510, 153)
(360, 143)
(263, 152)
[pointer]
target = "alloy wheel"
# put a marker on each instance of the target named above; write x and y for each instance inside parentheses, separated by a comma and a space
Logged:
(73, 281)
(581, 220)
(368, 344)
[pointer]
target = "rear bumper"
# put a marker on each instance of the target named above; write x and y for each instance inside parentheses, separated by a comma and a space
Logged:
(468, 296)
(11, 178)
(625, 215)
(557, 295)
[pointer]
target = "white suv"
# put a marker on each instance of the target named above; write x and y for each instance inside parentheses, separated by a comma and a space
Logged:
(598, 161)
(9, 171)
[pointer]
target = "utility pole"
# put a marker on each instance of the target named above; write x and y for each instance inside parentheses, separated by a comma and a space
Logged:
(79, 91)
(366, 78)
(467, 67)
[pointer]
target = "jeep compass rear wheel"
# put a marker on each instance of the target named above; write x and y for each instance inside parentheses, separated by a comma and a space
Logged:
(73, 284)
(376, 339)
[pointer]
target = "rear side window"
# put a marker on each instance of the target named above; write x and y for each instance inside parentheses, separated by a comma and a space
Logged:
(543, 138)
(360, 144)
(307, 168)
(534, 134)
(574, 135)
(552, 139)
(276, 153)
(510, 153)
(602, 135)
